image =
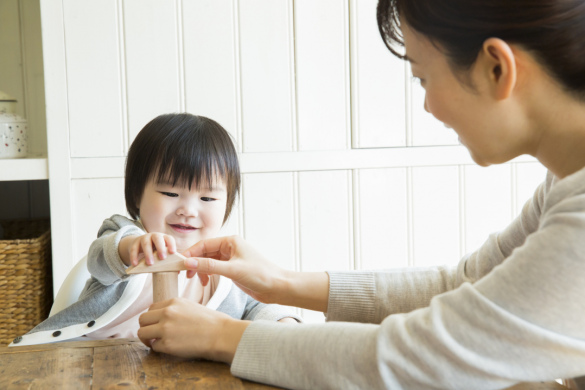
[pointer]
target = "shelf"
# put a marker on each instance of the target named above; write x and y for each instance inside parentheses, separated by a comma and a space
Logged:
(29, 168)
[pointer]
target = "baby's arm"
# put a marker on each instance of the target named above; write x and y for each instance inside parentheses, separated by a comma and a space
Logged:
(260, 311)
(103, 259)
(120, 241)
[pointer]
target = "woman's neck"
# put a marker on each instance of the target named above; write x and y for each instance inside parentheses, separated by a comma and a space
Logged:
(558, 119)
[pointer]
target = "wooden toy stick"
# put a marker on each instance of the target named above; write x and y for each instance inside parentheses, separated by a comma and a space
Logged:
(165, 285)
(165, 278)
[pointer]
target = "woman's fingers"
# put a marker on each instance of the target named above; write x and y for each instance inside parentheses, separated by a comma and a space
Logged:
(217, 248)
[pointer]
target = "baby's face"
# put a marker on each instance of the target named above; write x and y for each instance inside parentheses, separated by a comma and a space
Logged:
(187, 215)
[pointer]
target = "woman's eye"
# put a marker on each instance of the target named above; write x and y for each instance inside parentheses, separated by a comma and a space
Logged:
(171, 194)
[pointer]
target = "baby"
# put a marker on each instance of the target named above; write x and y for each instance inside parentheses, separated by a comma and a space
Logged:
(182, 178)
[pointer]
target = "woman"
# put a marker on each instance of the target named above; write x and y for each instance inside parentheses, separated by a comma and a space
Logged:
(509, 77)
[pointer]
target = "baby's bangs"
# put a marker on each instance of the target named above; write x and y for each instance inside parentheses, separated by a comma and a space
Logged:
(190, 162)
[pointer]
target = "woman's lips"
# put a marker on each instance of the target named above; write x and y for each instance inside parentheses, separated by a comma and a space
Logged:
(183, 228)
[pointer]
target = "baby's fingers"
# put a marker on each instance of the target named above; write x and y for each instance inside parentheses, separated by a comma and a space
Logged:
(146, 245)
(134, 251)
(171, 245)
(160, 244)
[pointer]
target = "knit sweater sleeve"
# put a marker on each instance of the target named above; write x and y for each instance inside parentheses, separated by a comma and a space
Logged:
(522, 320)
(103, 259)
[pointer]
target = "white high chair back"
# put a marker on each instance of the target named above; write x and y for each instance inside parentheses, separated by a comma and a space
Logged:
(72, 286)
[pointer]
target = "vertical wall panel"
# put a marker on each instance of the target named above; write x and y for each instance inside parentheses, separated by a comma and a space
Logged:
(322, 73)
(94, 80)
(210, 61)
(426, 130)
(269, 216)
(267, 75)
(325, 220)
(378, 83)
(325, 224)
(93, 201)
(528, 178)
(488, 202)
(151, 44)
(435, 197)
(382, 218)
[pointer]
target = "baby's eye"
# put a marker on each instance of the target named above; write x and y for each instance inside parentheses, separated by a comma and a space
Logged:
(171, 194)
(207, 199)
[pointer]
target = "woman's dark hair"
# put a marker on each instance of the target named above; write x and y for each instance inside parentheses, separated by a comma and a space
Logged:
(177, 149)
(553, 31)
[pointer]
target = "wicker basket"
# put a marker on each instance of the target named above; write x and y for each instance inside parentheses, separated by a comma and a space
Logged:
(26, 286)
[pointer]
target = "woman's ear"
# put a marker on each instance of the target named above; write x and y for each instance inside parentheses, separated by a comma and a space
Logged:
(499, 63)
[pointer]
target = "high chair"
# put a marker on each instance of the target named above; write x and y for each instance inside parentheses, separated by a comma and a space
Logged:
(72, 286)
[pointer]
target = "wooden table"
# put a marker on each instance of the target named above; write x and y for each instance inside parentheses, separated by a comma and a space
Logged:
(110, 364)
(126, 364)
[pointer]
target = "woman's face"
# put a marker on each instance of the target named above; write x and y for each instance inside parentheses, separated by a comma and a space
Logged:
(481, 121)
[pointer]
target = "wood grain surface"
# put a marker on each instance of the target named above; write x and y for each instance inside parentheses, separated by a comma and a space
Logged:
(126, 364)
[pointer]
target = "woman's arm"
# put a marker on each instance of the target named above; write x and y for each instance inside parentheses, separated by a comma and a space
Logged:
(256, 276)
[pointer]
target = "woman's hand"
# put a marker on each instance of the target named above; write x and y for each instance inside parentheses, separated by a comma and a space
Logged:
(131, 247)
(249, 270)
(184, 328)
(264, 281)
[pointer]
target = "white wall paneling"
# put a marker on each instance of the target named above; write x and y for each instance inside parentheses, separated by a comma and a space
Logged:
(153, 68)
(211, 46)
(377, 81)
(267, 75)
(325, 224)
(94, 77)
(326, 220)
(435, 215)
(381, 218)
(92, 202)
(487, 203)
(270, 213)
(322, 74)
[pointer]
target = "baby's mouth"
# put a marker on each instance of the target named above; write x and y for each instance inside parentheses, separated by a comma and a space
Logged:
(183, 228)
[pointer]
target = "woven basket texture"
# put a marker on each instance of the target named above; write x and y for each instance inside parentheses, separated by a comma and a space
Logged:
(26, 285)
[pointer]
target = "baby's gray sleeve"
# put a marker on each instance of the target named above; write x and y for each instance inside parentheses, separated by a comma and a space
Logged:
(261, 311)
(103, 259)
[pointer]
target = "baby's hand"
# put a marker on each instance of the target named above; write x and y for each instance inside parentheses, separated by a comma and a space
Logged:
(148, 243)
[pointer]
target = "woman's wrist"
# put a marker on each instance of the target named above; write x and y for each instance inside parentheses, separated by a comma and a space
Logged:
(228, 339)
(308, 290)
